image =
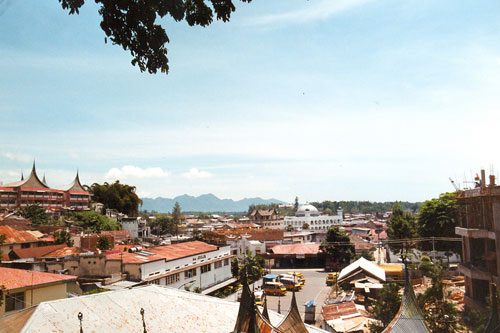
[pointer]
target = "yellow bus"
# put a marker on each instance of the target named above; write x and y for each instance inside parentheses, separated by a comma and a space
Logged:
(274, 288)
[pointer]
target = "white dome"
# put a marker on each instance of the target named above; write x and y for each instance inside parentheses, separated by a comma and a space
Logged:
(307, 209)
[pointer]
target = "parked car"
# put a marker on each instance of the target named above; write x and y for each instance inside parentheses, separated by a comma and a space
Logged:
(331, 278)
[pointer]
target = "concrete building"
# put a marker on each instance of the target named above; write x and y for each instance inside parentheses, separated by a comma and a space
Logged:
(136, 226)
(16, 239)
(309, 214)
(479, 227)
(32, 190)
(27, 288)
(191, 264)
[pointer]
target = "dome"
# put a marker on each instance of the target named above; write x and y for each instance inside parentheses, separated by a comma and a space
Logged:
(307, 210)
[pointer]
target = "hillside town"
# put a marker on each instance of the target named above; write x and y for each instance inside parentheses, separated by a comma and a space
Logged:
(261, 260)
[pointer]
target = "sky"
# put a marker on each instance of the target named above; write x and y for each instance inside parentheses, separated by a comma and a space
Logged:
(321, 99)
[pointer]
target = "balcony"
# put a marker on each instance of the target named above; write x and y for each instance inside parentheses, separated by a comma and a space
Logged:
(474, 233)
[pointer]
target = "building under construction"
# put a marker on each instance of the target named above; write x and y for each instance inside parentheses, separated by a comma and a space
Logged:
(479, 226)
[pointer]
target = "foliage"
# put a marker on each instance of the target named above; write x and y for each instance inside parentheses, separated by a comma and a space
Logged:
(117, 196)
(251, 208)
(401, 226)
(162, 224)
(438, 218)
(103, 243)
(2, 288)
(251, 265)
(440, 314)
(426, 265)
(474, 320)
(94, 221)
(385, 307)
(63, 237)
(365, 254)
(224, 292)
(35, 213)
(305, 226)
(96, 291)
(296, 204)
(197, 235)
(341, 254)
(134, 24)
(177, 216)
(364, 207)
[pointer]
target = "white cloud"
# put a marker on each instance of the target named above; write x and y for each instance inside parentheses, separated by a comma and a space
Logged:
(17, 157)
(130, 171)
(194, 173)
(312, 12)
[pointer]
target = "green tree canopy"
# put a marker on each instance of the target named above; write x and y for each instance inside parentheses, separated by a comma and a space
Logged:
(385, 307)
(103, 243)
(162, 224)
(35, 213)
(340, 253)
(251, 265)
(134, 25)
(177, 216)
(117, 196)
(438, 218)
(401, 226)
(63, 237)
(91, 220)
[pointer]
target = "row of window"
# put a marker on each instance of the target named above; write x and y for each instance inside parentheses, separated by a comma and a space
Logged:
(172, 278)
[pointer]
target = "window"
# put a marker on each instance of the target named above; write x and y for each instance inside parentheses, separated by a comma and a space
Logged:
(206, 268)
(218, 264)
(190, 273)
(14, 301)
(172, 278)
(226, 262)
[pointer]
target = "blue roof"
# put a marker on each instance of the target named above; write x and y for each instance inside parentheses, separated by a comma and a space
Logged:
(270, 276)
(310, 303)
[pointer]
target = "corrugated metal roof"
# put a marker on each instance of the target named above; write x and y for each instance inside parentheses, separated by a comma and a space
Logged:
(299, 248)
(13, 236)
(13, 278)
(35, 252)
(166, 310)
(364, 265)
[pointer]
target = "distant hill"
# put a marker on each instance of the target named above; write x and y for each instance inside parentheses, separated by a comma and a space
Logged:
(203, 203)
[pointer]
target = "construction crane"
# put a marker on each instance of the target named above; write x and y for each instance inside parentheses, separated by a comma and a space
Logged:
(454, 185)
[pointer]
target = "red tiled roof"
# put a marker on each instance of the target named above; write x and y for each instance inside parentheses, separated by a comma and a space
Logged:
(167, 252)
(16, 236)
(299, 248)
(36, 252)
(335, 311)
(13, 278)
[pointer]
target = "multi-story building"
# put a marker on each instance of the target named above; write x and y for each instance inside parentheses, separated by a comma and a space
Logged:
(479, 226)
(32, 190)
(308, 214)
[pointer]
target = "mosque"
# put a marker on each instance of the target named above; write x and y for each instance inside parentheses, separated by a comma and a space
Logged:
(309, 214)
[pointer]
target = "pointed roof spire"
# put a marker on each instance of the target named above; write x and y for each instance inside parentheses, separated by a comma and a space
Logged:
(246, 321)
(293, 321)
(493, 324)
(33, 170)
(409, 317)
(43, 180)
(22, 176)
(265, 313)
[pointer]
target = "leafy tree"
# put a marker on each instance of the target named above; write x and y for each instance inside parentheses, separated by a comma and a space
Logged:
(401, 226)
(340, 253)
(163, 224)
(251, 265)
(441, 315)
(305, 226)
(474, 320)
(177, 216)
(438, 218)
(35, 213)
(94, 221)
(197, 235)
(235, 267)
(117, 196)
(296, 205)
(426, 265)
(385, 307)
(63, 237)
(103, 243)
(365, 207)
(365, 254)
(134, 24)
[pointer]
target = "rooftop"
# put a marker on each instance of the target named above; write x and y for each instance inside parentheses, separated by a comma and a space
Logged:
(13, 278)
(299, 248)
(16, 236)
(35, 252)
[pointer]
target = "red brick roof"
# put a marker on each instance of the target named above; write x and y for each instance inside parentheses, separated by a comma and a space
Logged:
(35, 252)
(299, 248)
(16, 236)
(13, 278)
(167, 252)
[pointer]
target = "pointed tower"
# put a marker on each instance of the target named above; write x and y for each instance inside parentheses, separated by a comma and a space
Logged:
(265, 313)
(22, 176)
(246, 321)
(292, 322)
(43, 180)
(409, 317)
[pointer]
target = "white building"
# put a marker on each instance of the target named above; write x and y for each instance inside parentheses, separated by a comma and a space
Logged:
(310, 215)
(190, 264)
(138, 227)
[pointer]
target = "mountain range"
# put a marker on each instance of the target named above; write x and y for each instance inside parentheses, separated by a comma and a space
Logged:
(203, 203)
